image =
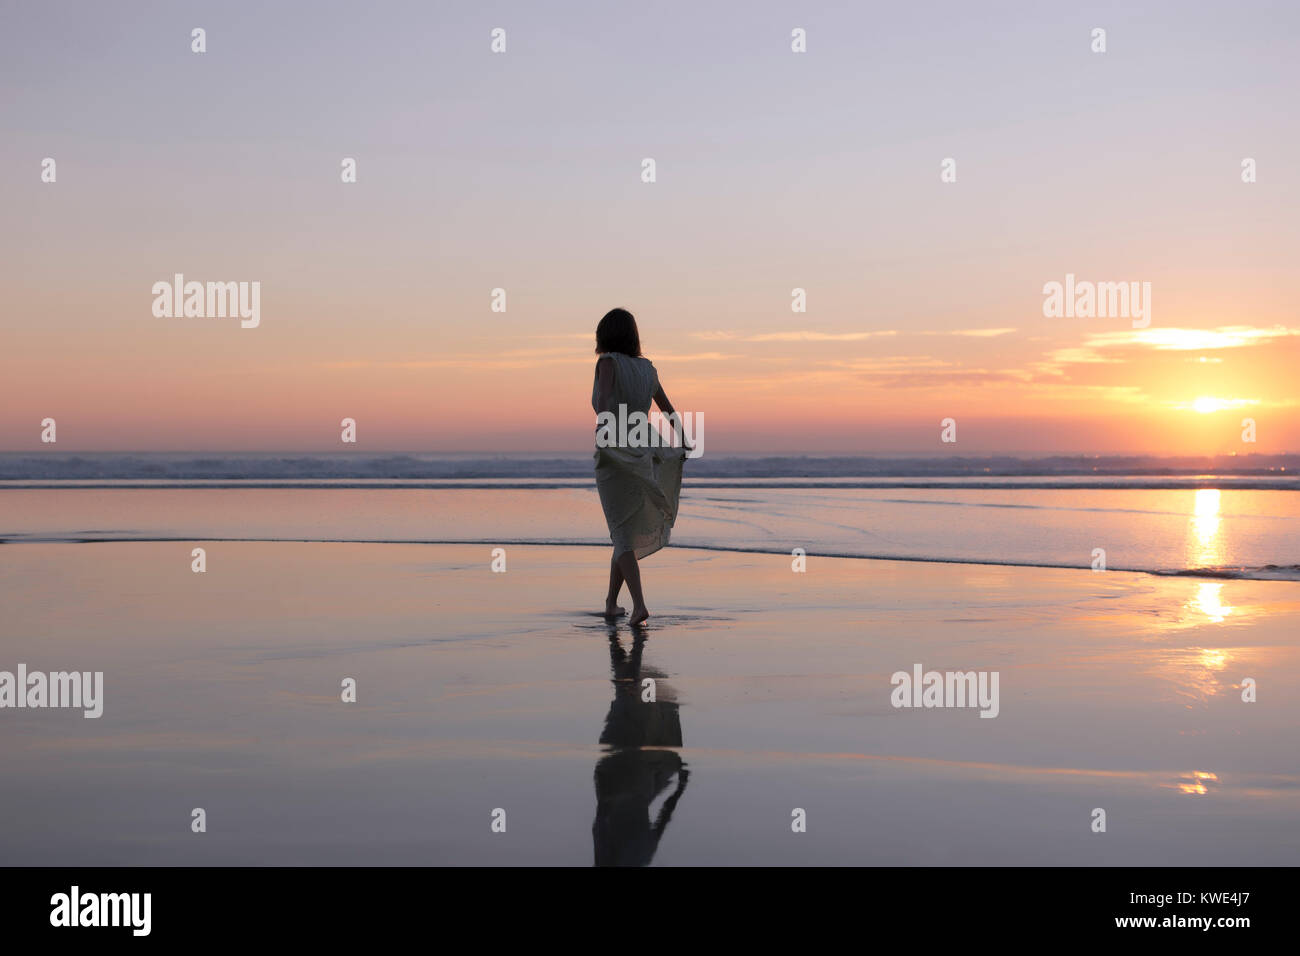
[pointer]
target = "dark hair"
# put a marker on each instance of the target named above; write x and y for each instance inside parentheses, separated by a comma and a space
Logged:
(617, 333)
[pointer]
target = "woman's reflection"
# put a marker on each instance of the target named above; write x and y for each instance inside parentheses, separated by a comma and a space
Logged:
(641, 720)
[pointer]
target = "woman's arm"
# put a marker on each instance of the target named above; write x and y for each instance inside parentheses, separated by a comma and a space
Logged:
(661, 400)
(666, 407)
(604, 385)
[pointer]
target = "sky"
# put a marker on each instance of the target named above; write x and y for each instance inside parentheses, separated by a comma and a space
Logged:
(774, 171)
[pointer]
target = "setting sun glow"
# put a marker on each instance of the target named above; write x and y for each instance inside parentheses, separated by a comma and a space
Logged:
(1207, 404)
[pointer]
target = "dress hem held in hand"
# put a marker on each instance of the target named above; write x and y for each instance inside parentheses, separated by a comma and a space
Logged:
(639, 486)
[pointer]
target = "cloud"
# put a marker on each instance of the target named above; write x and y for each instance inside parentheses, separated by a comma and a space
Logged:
(891, 363)
(1211, 403)
(512, 359)
(692, 356)
(1076, 355)
(1189, 340)
(975, 333)
(1127, 347)
(714, 335)
(810, 336)
(515, 359)
(948, 378)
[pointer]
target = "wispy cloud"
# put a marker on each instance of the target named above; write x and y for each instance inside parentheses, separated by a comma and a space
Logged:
(891, 363)
(976, 333)
(808, 336)
(692, 356)
(945, 378)
(1119, 347)
(512, 359)
(1223, 337)
(715, 335)
(1213, 404)
(813, 335)
(1076, 355)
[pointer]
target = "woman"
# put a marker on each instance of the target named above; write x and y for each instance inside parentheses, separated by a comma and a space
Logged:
(639, 480)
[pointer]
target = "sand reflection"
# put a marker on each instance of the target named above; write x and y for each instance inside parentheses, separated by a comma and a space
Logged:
(1197, 783)
(1209, 601)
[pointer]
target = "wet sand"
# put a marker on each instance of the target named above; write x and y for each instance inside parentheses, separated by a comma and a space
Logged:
(479, 691)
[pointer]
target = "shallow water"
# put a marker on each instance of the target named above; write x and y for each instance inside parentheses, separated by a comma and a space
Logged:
(1230, 531)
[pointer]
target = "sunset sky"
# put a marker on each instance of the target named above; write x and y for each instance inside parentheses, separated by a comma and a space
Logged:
(775, 170)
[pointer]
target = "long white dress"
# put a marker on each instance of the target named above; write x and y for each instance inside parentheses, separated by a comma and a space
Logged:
(639, 486)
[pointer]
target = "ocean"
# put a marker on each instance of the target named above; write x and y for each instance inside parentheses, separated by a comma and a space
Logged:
(1224, 517)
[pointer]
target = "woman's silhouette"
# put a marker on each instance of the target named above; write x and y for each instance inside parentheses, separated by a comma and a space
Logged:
(639, 479)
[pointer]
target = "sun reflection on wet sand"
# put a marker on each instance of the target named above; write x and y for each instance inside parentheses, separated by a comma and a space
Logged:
(1197, 783)
(1213, 660)
(1193, 604)
(1209, 601)
(1197, 670)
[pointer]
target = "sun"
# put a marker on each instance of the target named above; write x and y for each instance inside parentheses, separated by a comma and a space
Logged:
(1208, 403)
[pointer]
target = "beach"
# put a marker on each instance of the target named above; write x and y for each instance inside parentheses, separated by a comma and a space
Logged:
(360, 364)
(480, 691)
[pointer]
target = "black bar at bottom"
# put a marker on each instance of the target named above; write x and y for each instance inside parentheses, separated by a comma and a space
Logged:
(377, 904)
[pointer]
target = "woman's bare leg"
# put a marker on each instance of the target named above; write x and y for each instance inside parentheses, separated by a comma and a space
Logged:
(615, 585)
(632, 574)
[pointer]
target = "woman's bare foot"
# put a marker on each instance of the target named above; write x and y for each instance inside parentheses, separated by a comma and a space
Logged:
(639, 615)
(613, 610)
